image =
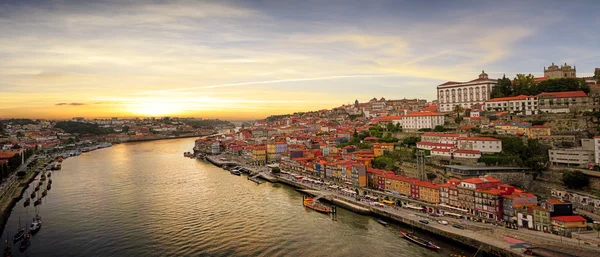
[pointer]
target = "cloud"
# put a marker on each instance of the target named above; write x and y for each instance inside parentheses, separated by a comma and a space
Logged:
(72, 104)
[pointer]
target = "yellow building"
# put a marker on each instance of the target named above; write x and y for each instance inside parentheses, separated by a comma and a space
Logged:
(271, 151)
(259, 152)
(428, 192)
(513, 128)
(537, 131)
(379, 148)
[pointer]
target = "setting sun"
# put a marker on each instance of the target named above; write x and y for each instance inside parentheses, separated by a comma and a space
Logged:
(156, 109)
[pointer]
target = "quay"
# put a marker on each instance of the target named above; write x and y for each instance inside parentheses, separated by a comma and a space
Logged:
(491, 245)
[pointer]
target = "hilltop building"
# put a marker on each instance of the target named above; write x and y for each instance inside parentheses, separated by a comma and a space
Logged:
(564, 71)
(464, 94)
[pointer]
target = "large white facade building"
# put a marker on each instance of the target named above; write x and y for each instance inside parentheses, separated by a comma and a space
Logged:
(421, 120)
(465, 94)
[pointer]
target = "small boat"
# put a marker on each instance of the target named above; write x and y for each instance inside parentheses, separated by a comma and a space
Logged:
(25, 243)
(37, 188)
(20, 232)
(7, 250)
(44, 193)
(420, 241)
(382, 222)
(49, 174)
(316, 205)
(36, 224)
(48, 187)
(236, 172)
(33, 195)
(255, 180)
(37, 202)
(49, 181)
(27, 202)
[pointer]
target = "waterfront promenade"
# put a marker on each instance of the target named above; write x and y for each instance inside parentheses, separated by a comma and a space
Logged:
(494, 238)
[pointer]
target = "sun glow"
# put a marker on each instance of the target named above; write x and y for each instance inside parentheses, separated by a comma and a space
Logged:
(157, 109)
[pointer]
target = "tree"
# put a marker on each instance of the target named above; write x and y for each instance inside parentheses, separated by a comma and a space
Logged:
(523, 84)
(575, 179)
(502, 89)
(386, 163)
(439, 128)
(597, 228)
(389, 127)
(411, 141)
(275, 170)
(597, 74)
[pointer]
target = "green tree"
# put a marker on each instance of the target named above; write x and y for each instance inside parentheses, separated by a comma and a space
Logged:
(561, 85)
(390, 127)
(386, 163)
(503, 88)
(575, 179)
(439, 128)
(522, 84)
(597, 228)
(411, 141)
(597, 74)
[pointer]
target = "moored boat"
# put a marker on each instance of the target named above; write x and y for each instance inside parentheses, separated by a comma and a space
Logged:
(236, 172)
(36, 224)
(419, 241)
(313, 204)
(25, 243)
(37, 202)
(48, 187)
(20, 232)
(44, 193)
(27, 202)
(382, 222)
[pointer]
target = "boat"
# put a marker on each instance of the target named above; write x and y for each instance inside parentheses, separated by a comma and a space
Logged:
(44, 193)
(33, 195)
(382, 222)
(255, 180)
(49, 174)
(49, 181)
(37, 187)
(58, 166)
(26, 203)
(419, 241)
(236, 172)
(7, 247)
(315, 205)
(37, 202)
(25, 243)
(36, 224)
(104, 145)
(20, 232)
(48, 187)
(60, 159)
(43, 177)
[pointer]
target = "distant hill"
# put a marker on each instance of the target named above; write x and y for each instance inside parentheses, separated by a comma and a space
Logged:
(82, 128)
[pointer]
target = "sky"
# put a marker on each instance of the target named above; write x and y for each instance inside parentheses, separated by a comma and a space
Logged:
(250, 59)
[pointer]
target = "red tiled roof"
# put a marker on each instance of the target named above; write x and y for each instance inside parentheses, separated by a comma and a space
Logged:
(564, 94)
(479, 139)
(419, 114)
(451, 83)
(431, 108)
(435, 144)
(554, 201)
(482, 180)
(433, 134)
(510, 98)
(575, 218)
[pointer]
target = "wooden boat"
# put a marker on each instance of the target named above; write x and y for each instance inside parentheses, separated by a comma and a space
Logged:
(420, 241)
(316, 205)
(37, 202)
(255, 180)
(236, 172)
(20, 232)
(44, 193)
(382, 222)
(49, 174)
(27, 202)
(25, 243)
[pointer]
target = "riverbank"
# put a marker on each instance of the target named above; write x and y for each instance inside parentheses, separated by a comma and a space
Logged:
(14, 190)
(491, 245)
(169, 137)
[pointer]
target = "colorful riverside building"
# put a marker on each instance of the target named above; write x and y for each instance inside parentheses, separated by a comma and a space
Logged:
(379, 148)
(259, 153)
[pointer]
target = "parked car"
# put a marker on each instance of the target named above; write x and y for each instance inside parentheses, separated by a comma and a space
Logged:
(424, 221)
(443, 222)
(458, 226)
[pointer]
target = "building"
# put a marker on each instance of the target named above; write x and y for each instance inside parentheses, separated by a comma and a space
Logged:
(555, 72)
(488, 204)
(521, 104)
(379, 148)
(513, 128)
(514, 202)
(575, 156)
(482, 144)
(259, 153)
(442, 138)
(537, 131)
(558, 207)
(566, 225)
(472, 171)
(541, 219)
(562, 102)
(464, 94)
(466, 192)
(422, 120)
(597, 149)
(359, 175)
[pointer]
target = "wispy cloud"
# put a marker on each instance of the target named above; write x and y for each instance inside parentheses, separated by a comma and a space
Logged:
(72, 104)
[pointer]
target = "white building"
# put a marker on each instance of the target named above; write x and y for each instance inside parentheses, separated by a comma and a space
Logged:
(482, 144)
(456, 153)
(421, 120)
(597, 149)
(443, 138)
(465, 94)
(521, 104)
(433, 145)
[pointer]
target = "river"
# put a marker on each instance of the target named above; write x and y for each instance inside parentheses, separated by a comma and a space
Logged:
(146, 199)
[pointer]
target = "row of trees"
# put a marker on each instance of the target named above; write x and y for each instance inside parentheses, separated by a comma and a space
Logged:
(526, 85)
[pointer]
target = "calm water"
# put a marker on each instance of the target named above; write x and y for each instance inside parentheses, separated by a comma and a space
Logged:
(146, 199)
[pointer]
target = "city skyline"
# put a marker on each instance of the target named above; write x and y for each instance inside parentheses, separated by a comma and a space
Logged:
(251, 59)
